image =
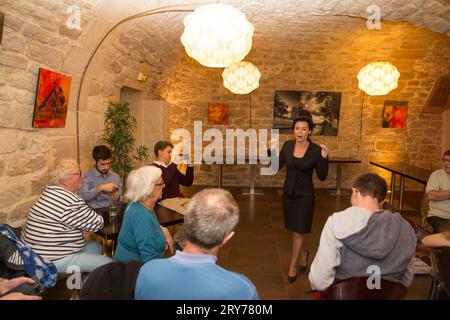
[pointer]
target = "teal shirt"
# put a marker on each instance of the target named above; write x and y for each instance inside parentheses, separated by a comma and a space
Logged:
(140, 237)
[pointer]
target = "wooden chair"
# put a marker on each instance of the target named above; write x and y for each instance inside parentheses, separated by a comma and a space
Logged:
(440, 285)
(355, 288)
(424, 207)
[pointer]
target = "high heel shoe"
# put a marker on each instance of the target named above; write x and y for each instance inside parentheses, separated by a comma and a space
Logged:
(303, 268)
(291, 279)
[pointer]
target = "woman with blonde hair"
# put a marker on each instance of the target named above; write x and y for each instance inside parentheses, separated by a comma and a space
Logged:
(141, 237)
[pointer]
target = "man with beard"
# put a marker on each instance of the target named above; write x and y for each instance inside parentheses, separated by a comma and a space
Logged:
(101, 186)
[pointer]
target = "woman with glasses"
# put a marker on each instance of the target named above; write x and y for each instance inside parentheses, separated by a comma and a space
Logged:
(141, 237)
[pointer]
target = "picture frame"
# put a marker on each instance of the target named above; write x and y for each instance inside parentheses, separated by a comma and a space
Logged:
(394, 114)
(218, 113)
(324, 108)
(52, 99)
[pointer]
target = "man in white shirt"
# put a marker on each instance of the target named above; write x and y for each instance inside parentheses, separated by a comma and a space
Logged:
(438, 192)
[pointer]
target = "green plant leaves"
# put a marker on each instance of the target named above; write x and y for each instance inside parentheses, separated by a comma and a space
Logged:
(118, 133)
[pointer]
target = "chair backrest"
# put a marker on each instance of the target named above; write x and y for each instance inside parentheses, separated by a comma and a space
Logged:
(440, 260)
(112, 281)
(356, 288)
(424, 207)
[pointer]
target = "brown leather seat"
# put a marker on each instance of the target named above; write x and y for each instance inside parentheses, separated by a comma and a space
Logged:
(355, 288)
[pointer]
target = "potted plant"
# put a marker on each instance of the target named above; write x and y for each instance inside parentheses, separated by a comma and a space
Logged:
(119, 126)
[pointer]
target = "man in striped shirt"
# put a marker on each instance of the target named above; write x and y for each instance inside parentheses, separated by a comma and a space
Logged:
(57, 221)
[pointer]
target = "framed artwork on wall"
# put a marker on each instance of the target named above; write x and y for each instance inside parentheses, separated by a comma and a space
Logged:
(394, 114)
(323, 106)
(52, 99)
(218, 113)
(2, 21)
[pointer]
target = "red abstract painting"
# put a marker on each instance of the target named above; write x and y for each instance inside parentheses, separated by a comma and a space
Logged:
(218, 113)
(394, 114)
(52, 99)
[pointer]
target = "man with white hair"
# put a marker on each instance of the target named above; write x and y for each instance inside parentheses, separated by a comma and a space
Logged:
(193, 274)
(56, 222)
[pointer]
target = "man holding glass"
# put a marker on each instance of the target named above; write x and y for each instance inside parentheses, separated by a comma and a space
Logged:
(438, 192)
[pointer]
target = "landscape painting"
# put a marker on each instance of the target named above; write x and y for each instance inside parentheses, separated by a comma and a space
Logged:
(323, 106)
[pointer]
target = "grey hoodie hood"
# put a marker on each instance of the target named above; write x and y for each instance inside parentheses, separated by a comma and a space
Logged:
(387, 241)
(379, 237)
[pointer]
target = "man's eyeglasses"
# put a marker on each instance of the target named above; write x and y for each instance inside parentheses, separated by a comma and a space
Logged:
(444, 160)
(76, 174)
(162, 185)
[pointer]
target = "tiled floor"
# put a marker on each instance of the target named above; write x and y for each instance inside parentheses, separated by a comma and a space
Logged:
(261, 247)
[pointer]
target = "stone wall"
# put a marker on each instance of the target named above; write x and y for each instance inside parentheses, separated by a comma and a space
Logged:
(35, 35)
(298, 47)
(325, 55)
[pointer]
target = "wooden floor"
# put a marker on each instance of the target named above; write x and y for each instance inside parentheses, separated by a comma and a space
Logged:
(261, 246)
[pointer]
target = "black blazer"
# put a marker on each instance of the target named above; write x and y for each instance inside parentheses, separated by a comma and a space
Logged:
(299, 170)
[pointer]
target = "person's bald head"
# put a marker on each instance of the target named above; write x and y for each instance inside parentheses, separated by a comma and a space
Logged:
(211, 215)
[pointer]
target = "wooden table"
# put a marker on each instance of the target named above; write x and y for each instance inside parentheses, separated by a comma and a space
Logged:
(241, 161)
(339, 161)
(168, 217)
(404, 170)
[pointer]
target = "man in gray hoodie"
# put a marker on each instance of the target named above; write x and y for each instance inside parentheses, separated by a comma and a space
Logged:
(365, 239)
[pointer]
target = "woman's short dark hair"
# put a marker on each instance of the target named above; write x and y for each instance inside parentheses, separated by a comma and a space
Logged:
(304, 116)
(161, 145)
(372, 185)
(101, 152)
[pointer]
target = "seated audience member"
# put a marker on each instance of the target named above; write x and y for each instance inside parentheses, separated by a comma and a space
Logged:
(193, 274)
(437, 240)
(101, 185)
(172, 177)
(362, 236)
(438, 192)
(141, 237)
(56, 223)
(7, 285)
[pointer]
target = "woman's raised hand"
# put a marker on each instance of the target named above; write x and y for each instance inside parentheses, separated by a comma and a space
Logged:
(325, 151)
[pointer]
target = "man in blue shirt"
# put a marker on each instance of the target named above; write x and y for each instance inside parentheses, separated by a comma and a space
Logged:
(193, 274)
(101, 186)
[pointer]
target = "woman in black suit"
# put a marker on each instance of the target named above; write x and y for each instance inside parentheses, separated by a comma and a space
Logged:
(301, 156)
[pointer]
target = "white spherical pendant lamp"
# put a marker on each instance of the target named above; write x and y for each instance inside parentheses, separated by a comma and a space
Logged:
(217, 35)
(378, 78)
(241, 78)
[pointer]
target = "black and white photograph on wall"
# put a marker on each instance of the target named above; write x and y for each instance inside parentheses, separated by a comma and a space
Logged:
(323, 106)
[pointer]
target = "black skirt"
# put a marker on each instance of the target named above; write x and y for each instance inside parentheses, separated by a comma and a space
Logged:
(298, 213)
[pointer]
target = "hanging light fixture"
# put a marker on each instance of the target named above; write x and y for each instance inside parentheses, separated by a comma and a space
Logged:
(241, 78)
(378, 78)
(217, 35)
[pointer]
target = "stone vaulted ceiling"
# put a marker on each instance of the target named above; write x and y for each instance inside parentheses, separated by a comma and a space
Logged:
(155, 39)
